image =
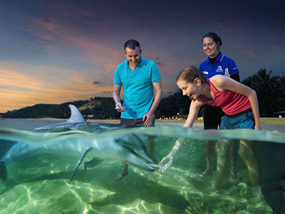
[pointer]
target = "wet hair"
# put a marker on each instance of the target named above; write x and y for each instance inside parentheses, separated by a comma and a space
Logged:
(190, 73)
(132, 44)
(215, 37)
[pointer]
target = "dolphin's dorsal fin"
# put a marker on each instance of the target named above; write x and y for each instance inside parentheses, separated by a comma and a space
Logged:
(76, 116)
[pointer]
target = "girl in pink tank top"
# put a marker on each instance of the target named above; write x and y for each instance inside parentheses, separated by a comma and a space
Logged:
(236, 100)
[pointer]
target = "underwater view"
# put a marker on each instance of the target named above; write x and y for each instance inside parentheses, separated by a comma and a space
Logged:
(71, 169)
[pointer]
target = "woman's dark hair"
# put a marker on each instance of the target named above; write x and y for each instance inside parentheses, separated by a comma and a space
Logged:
(190, 73)
(132, 44)
(215, 37)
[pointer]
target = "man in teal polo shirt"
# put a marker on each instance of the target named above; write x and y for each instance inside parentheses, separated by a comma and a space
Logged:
(142, 91)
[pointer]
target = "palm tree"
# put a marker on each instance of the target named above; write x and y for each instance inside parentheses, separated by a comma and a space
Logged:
(270, 91)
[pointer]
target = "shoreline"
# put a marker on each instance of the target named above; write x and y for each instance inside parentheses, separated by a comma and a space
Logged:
(267, 124)
(263, 120)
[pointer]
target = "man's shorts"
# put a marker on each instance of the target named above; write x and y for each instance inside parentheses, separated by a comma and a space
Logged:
(132, 123)
(243, 120)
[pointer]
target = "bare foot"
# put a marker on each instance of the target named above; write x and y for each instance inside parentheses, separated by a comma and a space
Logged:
(233, 177)
(121, 175)
(207, 172)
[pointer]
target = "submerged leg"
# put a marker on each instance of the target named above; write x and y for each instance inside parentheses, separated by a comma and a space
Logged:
(210, 150)
(247, 155)
(123, 173)
(222, 149)
(150, 146)
(3, 170)
(233, 157)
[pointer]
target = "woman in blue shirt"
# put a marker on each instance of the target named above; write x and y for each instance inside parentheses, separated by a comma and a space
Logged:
(216, 64)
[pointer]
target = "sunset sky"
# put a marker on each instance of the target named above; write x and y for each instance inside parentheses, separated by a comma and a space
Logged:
(55, 51)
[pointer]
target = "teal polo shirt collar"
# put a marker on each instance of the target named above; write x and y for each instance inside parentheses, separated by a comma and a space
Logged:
(138, 65)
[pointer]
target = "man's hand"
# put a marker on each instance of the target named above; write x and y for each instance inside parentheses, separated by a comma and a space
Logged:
(148, 119)
(119, 107)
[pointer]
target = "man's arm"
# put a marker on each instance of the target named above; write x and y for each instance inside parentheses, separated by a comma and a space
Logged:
(148, 117)
(116, 97)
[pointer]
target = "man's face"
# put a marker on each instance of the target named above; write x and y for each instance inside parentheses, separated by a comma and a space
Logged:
(133, 56)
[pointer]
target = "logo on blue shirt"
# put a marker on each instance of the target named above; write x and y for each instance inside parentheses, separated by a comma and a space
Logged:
(219, 69)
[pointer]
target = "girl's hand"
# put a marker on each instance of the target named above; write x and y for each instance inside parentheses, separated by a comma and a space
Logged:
(166, 162)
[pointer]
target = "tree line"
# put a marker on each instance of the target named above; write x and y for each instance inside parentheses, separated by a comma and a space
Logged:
(270, 92)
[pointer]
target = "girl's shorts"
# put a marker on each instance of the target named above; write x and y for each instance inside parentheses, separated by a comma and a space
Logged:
(244, 120)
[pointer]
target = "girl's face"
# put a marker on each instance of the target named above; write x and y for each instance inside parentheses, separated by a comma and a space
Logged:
(210, 47)
(190, 90)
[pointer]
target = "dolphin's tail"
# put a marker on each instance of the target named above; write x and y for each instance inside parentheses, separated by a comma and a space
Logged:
(3, 170)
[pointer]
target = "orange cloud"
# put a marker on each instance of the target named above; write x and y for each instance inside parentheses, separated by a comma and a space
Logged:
(18, 89)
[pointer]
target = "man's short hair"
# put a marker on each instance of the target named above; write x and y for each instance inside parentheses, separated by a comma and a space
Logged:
(132, 44)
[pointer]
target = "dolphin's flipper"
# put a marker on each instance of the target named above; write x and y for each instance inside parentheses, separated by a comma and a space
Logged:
(92, 163)
(135, 145)
(3, 170)
(78, 164)
(136, 160)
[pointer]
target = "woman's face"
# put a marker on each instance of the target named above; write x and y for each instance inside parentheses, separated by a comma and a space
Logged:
(190, 90)
(210, 47)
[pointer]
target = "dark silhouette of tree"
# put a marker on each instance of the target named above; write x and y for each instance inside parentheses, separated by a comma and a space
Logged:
(270, 91)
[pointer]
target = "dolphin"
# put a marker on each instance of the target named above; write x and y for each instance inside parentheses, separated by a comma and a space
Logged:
(123, 145)
(75, 118)
(128, 148)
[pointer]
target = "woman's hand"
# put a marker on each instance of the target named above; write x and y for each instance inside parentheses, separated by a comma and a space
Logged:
(166, 162)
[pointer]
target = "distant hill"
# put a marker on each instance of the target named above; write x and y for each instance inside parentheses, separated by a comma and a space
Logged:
(99, 108)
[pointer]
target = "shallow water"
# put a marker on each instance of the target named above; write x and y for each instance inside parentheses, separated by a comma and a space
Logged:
(40, 183)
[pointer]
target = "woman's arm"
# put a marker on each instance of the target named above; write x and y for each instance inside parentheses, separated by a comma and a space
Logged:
(193, 112)
(166, 162)
(223, 83)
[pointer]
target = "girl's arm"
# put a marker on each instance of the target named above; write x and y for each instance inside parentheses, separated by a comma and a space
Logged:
(223, 83)
(166, 162)
(193, 112)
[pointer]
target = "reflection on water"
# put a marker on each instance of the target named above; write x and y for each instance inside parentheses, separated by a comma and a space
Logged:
(39, 183)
